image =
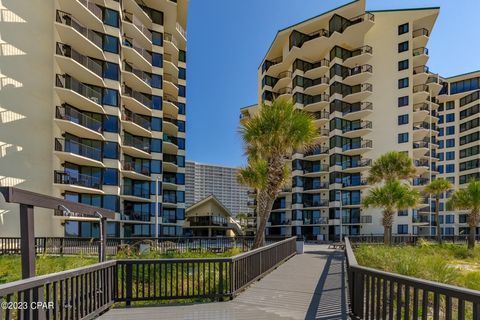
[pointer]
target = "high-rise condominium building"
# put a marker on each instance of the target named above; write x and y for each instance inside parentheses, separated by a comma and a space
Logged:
(93, 110)
(203, 180)
(363, 76)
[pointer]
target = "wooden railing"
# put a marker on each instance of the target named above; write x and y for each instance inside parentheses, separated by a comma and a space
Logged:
(89, 291)
(376, 294)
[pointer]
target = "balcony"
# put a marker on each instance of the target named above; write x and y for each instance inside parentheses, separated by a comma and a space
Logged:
(136, 193)
(420, 75)
(420, 93)
(76, 93)
(169, 181)
(317, 86)
(136, 54)
(420, 56)
(78, 153)
(131, 215)
(316, 153)
(284, 93)
(137, 101)
(422, 129)
(136, 170)
(310, 221)
(170, 162)
(252, 204)
(316, 170)
(358, 93)
(170, 63)
(307, 203)
(316, 103)
(272, 67)
(356, 166)
(323, 135)
(170, 125)
(355, 184)
(348, 31)
(357, 129)
(357, 110)
(170, 85)
(170, 104)
(434, 83)
(420, 220)
(422, 166)
(420, 182)
(77, 123)
(86, 11)
(136, 146)
(136, 124)
(420, 37)
(358, 56)
(170, 144)
(84, 68)
(77, 182)
(135, 27)
(358, 74)
(357, 148)
(284, 79)
(318, 69)
(170, 43)
(137, 79)
(321, 118)
(311, 187)
(420, 112)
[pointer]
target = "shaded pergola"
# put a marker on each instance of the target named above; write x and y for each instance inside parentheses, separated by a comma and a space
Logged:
(28, 200)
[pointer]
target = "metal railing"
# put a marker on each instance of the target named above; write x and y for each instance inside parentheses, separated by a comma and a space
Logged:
(315, 186)
(130, 42)
(358, 106)
(420, 88)
(420, 69)
(130, 17)
(321, 115)
(78, 148)
(356, 164)
(140, 97)
(136, 118)
(136, 167)
(144, 76)
(68, 113)
(323, 167)
(316, 151)
(170, 38)
(420, 32)
(92, 65)
(366, 68)
(376, 294)
(93, 8)
(135, 142)
(68, 20)
(67, 82)
(78, 179)
(419, 51)
(358, 145)
(360, 51)
(365, 124)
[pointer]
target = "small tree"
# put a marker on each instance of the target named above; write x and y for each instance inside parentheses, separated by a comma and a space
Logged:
(270, 138)
(436, 188)
(391, 197)
(468, 199)
(390, 166)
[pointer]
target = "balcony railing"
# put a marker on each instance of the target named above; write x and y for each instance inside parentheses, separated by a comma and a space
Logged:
(167, 138)
(136, 167)
(141, 191)
(420, 88)
(140, 97)
(315, 186)
(170, 98)
(92, 65)
(360, 51)
(420, 181)
(433, 78)
(316, 82)
(129, 42)
(170, 120)
(318, 168)
(282, 91)
(315, 203)
(355, 183)
(144, 76)
(321, 220)
(419, 51)
(421, 163)
(420, 144)
(423, 106)
(420, 32)
(181, 30)
(93, 8)
(77, 179)
(135, 142)
(358, 126)
(136, 216)
(358, 145)
(137, 119)
(423, 126)
(366, 68)
(420, 69)
(284, 74)
(321, 115)
(170, 38)
(170, 158)
(359, 106)
(137, 23)
(78, 148)
(170, 78)
(316, 151)
(356, 164)
(65, 112)
(67, 82)
(68, 20)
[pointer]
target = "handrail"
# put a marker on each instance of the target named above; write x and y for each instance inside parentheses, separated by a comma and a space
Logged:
(65, 112)
(139, 96)
(130, 42)
(143, 75)
(127, 115)
(170, 38)
(419, 51)
(93, 8)
(81, 149)
(68, 20)
(67, 51)
(420, 32)
(130, 17)
(79, 179)
(67, 82)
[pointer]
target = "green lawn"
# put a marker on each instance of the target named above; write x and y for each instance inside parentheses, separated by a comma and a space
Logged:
(10, 267)
(446, 263)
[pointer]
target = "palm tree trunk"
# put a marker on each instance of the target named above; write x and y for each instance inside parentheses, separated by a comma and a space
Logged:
(471, 238)
(386, 235)
(387, 226)
(472, 223)
(264, 206)
(437, 218)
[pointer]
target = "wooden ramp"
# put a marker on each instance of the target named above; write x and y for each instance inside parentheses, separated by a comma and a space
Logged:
(308, 286)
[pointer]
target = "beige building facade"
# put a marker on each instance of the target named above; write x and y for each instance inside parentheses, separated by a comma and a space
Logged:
(364, 77)
(92, 109)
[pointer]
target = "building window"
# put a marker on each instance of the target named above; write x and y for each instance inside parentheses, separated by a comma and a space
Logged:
(449, 168)
(110, 177)
(402, 83)
(450, 155)
(156, 124)
(157, 59)
(402, 213)
(182, 108)
(110, 150)
(182, 91)
(110, 17)
(403, 137)
(440, 119)
(450, 117)
(182, 73)
(402, 229)
(156, 145)
(157, 38)
(450, 130)
(110, 44)
(156, 81)
(441, 132)
(110, 97)
(403, 46)
(403, 101)
(440, 168)
(156, 166)
(403, 28)
(450, 143)
(157, 102)
(450, 105)
(182, 56)
(403, 119)
(402, 65)
(110, 71)
(110, 123)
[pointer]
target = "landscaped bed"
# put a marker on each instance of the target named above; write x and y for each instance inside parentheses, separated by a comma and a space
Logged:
(447, 263)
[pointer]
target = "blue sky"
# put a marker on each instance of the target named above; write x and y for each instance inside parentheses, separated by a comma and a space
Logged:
(227, 40)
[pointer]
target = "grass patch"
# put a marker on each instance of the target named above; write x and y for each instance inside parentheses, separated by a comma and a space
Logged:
(447, 263)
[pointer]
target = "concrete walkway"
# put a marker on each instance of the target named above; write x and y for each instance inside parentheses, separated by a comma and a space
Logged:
(308, 286)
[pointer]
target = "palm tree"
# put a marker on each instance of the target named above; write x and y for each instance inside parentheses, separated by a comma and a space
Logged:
(242, 217)
(390, 166)
(270, 138)
(468, 199)
(436, 188)
(392, 196)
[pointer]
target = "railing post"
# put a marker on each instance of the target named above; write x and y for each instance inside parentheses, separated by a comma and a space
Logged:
(357, 294)
(220, 281)
(27, 241)
(128, 284)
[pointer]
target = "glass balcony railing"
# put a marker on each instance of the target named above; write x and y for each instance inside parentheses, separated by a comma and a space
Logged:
(420, 51)
(171, 120)
(169, 178)
(354, 183)
(170, 158)
(138, 167)
(67, 82)
(170, 139)
(356, 107)
(420, 32)
(130, 17)
(317, 150)
(316, 168)
(132, 141)
(140, 97)
(93, 8)
(358, 145)
(138, 190)
(68, 113)
(354, 126)
(315, 185)
(78, 148)
(77, 179)
(144, 76)
(139, 120)
(129, 42)
(92, 65)
(68, 20)
(356, 164)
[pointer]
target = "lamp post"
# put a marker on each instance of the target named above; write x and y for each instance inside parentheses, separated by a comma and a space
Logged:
(157, 187)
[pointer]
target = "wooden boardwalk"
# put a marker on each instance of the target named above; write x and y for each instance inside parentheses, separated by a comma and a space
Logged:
(308, 286)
